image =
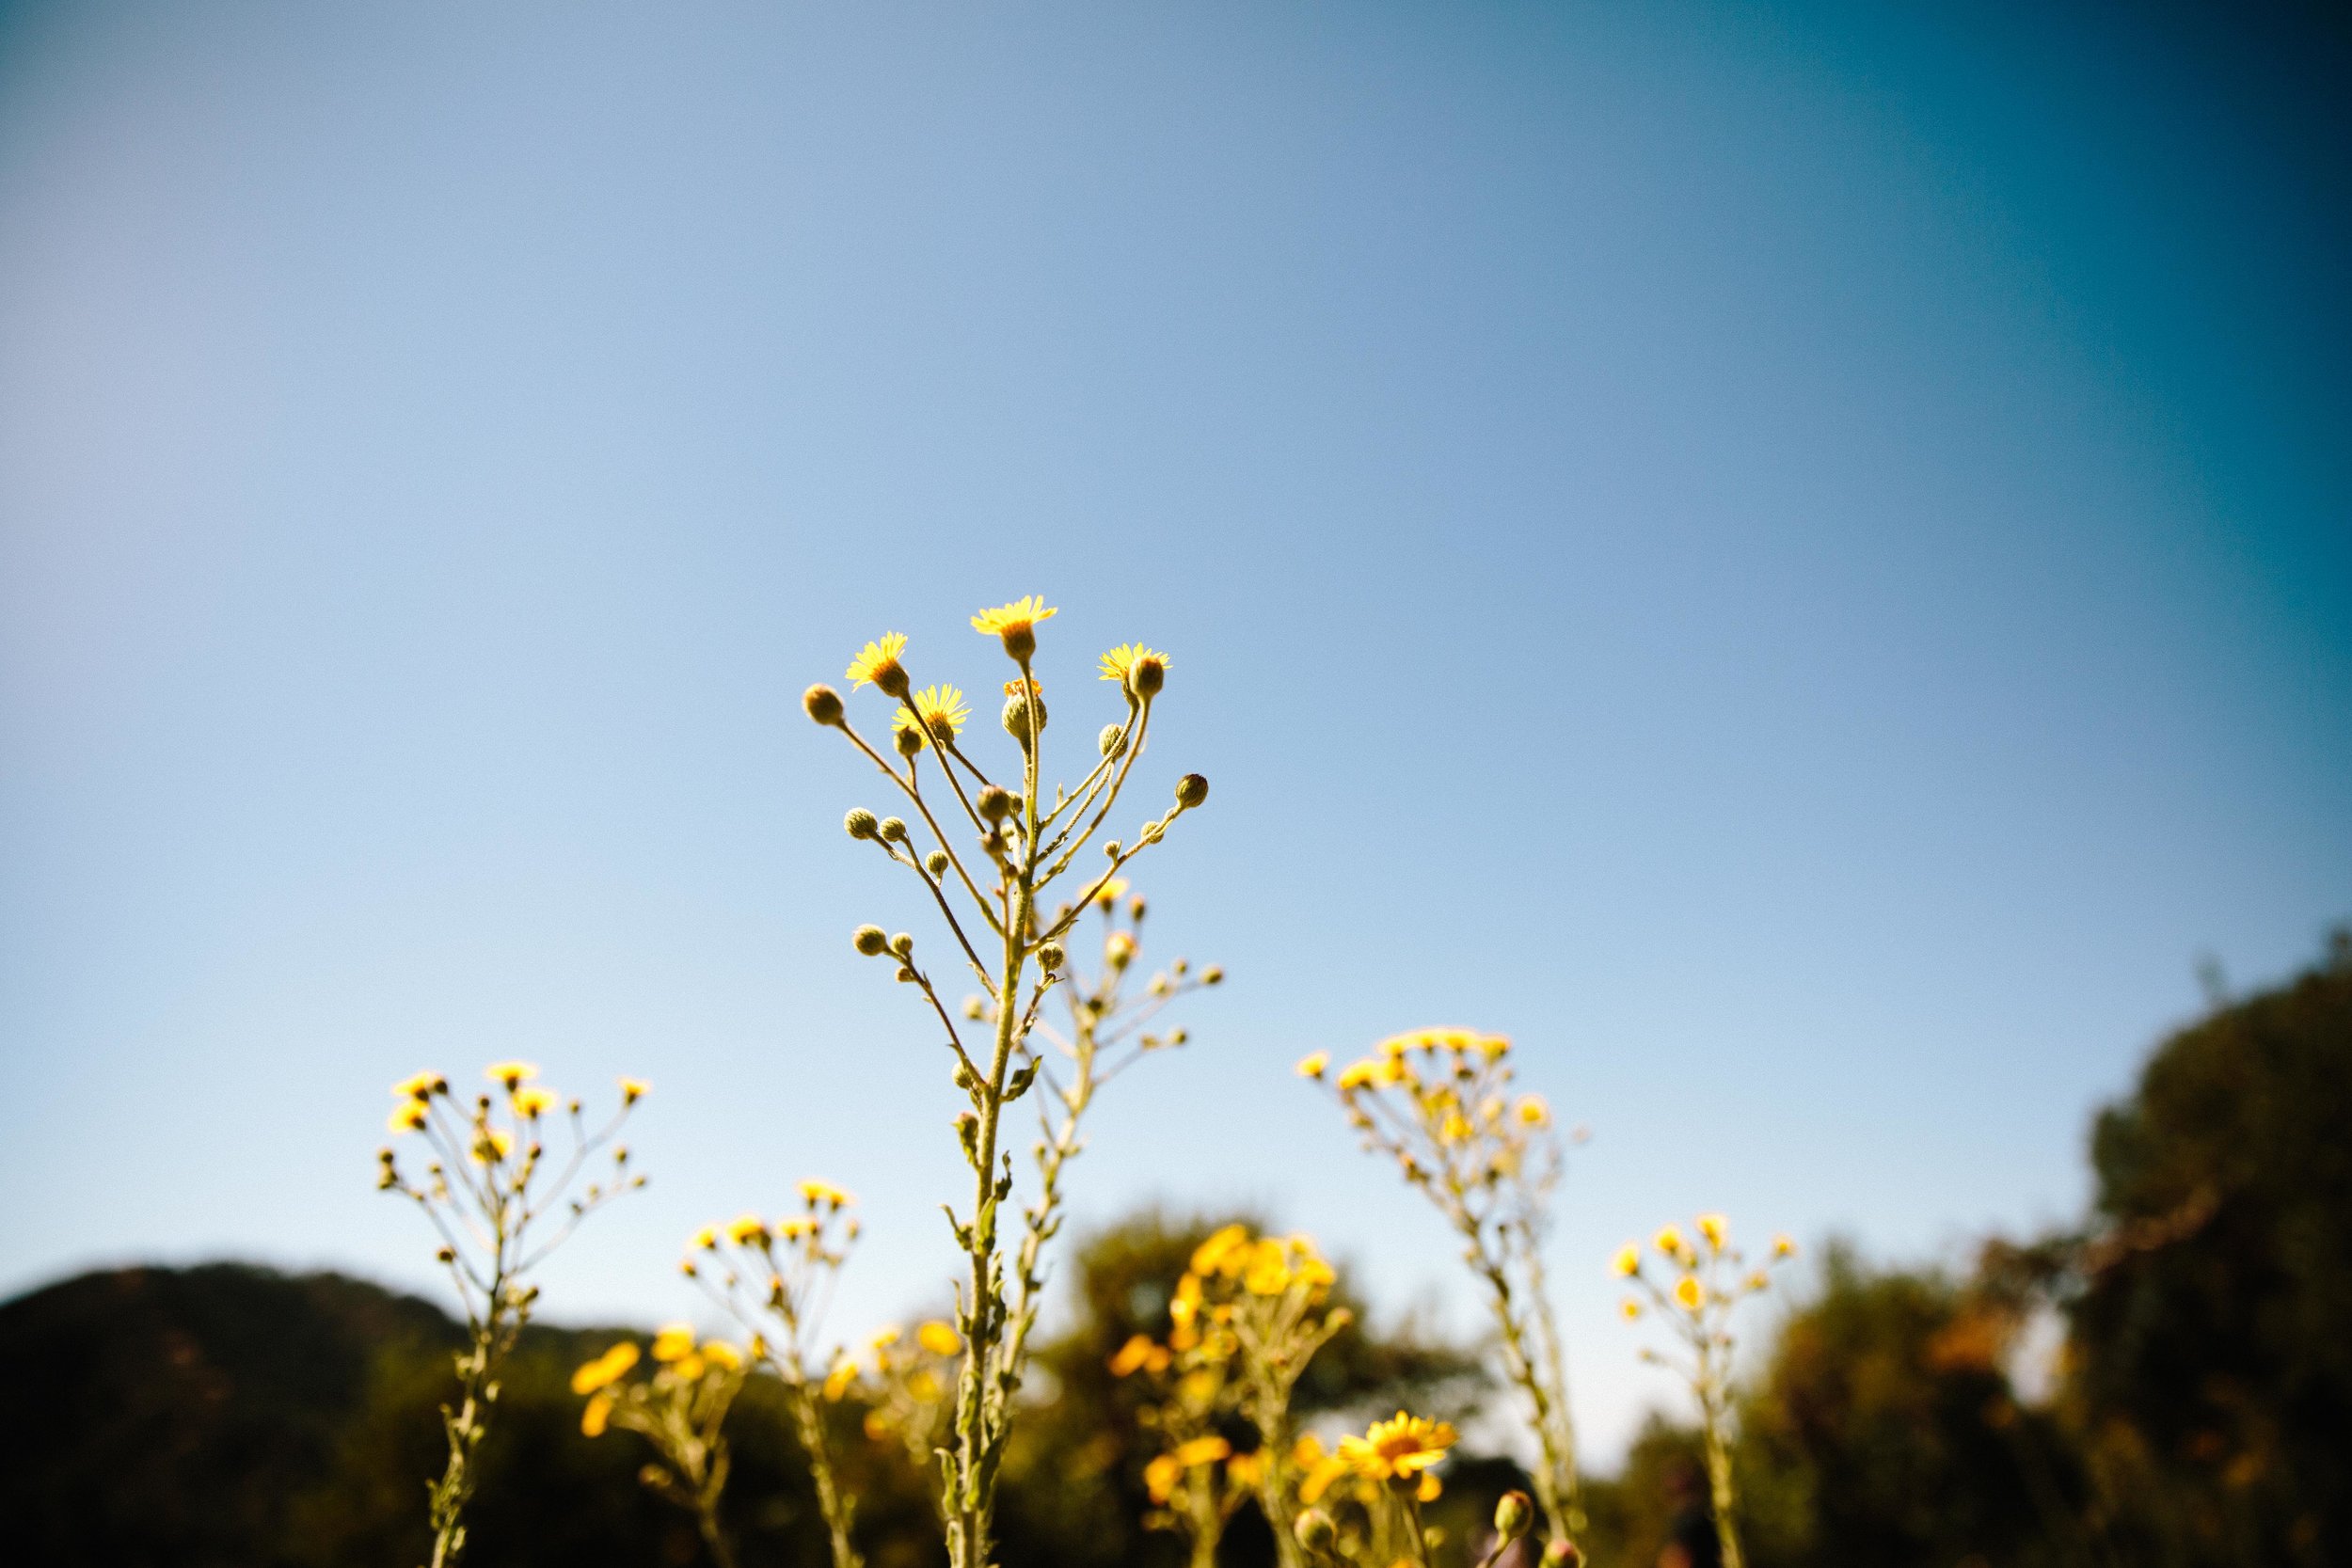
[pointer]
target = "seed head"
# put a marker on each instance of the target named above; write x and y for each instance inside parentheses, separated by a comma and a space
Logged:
(823, 703)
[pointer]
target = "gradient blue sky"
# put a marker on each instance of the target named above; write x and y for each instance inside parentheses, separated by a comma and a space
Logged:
(1793, 559)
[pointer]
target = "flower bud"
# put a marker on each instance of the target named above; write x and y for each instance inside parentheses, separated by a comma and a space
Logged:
(823, 703)
(893, 830)
(870, 941)
(1191, 790)
(1016, 715)
(1148, 675)
(1213, 975)
(1513, 1513)
(995, 803)
(1113, 740)
(908, 741)
(1315, 1530)
(936, 862)
(903, 943)
(1563, 1553)
(860, 823)
(1050, 957)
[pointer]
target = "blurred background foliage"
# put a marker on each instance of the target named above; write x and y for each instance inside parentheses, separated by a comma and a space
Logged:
(2169, 1383)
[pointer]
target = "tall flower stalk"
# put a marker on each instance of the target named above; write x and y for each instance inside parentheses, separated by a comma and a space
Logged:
(1440, 1102)
(501, 1205)
(1007, 848)
(778, 1280)
(681, 1409)
(1695, 1293)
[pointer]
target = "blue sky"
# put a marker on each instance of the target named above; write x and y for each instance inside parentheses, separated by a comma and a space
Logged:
(1793, 559)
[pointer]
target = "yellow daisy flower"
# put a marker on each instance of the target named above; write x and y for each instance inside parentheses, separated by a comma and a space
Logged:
(1782, 1247)
(1627, 1262)
(409, 1117)
(815, 1193)
(675, 1343)
(1226, 1252)
(605, 1370)
(1533, 1112)
(1716, 1229)
(633, 1090)
(1314, 1066)
(941, 710)
(877, 664)
(421, 1087)
(1402, 1447)
(1015, 623)
(533, 1102)
(490, 1145)
(747, 1230)
(594, 1420)
(720, 1354)
(1139, 669)
(1688, 1294)
(1631, 1308)
(940, 1338)
(1669, 1240)
(1359, 1075)
(837, 1381)
(511, 1074)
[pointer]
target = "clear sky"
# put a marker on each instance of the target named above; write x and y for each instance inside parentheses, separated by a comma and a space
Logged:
(1795, 560)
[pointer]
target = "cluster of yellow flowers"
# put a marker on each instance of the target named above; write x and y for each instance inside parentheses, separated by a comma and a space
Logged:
(1442, 1105)
(681, 1409)
(1376, 1519)
(1020, 846)
(491, 1191)
(1695, 1292)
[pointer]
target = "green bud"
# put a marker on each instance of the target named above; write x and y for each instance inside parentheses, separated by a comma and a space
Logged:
(860, 823)
(908, 741)
(893, 830)
(1191, 790)
(1050, 957)
(1016, 715)
(1514, 1513)
(823, 703)
(1113, 740)
(1563, 1553)
(936, 862)
(903, 943)
(870, 941)
(1213, 975)
(995, 803)
(1148, 675)
(1315, 1530)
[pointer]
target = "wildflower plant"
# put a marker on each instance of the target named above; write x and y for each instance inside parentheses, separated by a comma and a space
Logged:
(1695, 1288)
(681, 1408)
(778, 1280)
(500, 1204)
(1392, 1469)
(1441, 1103)
(907, 1397)
(986, 855)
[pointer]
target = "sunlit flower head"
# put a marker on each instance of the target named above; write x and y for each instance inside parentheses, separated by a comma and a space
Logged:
(1784, 1247)
(1111, 892)
(598, 1414)
(675, 1343)
(1402, 1447)
(1631, 1308)
(942, 709)
(1669, 1240)
(511, 1074)
(633, 1090)
(1139, 669)
(825, 1195)
(1136, 1355)
(939, 1338)
(1316, 1064)
(491, 1145)
(1716, 1229)
(1269, 1269)
(704, 1240)
(409, 1117)
(1626, 1261)
(1015, 623)
(877, 664)
(533, 1102)
(1226, 1252)
(1533, 1112)
(1359, 1075)
(724, 1355)
(605, 1370)
(1688, 1293)
(422, 1086)
(747, 1230)
(838, 1381)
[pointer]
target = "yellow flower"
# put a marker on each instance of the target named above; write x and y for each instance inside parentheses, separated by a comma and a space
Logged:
(1244, 1469)
(1783, 1246)
(747, 1230)
(409, 1117)
(940, 1338)
(1669, 1240)
(1359, 1075)
(1495, 1047)
(633, 1090)
(1533, 1112)
(1455, 1129)
(1121, 664)
(675, 1342)
(877, 663)
(924, 1389)
(605, 1370)
(599, 1414)
(1321, 1473)
(490, 1145)
(689, 1369)
(837, 1381)
(1269, 1273)
(511, 1074)
(886, 1337)
(1687, 1295)
(942, 709)
(1716, 1229)
(420, 1087)
(792, 1227)
(815, 1193)
(1200, 1451)
(1631, 1308)
(1628, 1262)
(720, 1354)
(533, 1102)
(1015, 623)
(1431, 1487)
(1161, 1476)
(1227, 1252)
(703, 1240)
(1403, 1447)
(1316, 1064)
(1111, 892)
